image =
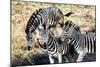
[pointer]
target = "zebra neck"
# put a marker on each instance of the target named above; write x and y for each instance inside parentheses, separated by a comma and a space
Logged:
(74, 41)
(52, 45)
(34, 22)
(40, 18)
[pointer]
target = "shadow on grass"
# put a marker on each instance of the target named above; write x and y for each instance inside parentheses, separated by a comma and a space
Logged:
(40, 59)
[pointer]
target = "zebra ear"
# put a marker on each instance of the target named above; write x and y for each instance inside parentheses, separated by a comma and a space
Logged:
(40, 9)
(37, 11)
(68, 23)
(68, 14)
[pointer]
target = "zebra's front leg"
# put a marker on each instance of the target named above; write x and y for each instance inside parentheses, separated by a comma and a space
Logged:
(51, 59)
(60, 58)
(81, 56)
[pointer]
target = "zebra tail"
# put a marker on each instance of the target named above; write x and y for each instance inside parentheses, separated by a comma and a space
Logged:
(68, 14)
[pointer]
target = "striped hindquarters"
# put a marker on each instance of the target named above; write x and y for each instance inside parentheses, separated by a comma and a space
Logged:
(90, 42)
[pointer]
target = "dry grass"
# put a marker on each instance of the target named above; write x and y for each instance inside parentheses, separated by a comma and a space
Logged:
(84, 16)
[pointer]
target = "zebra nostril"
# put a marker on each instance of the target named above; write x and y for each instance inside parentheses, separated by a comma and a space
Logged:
(29, 47)
(37, 38)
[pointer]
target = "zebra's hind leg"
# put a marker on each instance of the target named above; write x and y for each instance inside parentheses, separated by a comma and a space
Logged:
(81, 56)
(51, 59)
(65, 58)
(68, 58)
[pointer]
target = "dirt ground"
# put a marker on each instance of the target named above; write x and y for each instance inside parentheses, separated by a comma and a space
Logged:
(84, 16)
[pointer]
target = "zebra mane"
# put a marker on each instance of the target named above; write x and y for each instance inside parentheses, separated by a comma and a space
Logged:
(71, 24)
(30, 20)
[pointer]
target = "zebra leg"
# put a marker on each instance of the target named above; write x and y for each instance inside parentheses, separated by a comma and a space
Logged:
(65, 58)
(51, 59)
(81, 55)
(70, 58)
(60, 58)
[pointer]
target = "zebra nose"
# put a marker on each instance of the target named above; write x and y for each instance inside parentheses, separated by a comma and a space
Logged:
(44, 46)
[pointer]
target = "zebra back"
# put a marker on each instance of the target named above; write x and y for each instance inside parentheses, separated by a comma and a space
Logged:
(50, 16)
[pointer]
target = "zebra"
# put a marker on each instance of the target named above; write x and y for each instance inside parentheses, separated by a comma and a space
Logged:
(82, 43)
(54, 48)
(51, 16)
(69, 24)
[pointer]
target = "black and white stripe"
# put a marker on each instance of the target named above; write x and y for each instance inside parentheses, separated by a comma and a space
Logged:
(82, 42)
(50, 16)
(53, 46)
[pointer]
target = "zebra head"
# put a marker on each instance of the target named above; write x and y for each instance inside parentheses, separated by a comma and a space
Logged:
(43, 36)
(30, 39)
(69, 30)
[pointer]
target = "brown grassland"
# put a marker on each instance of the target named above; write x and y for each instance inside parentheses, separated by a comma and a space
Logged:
(84, 16)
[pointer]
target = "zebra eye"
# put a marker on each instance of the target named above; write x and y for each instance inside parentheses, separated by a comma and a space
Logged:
(30, 37)
(66, 29)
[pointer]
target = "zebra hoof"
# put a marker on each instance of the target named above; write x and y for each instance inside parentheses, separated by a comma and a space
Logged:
(79, 61)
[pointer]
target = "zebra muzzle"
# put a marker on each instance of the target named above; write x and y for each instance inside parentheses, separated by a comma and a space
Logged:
(44, 46)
